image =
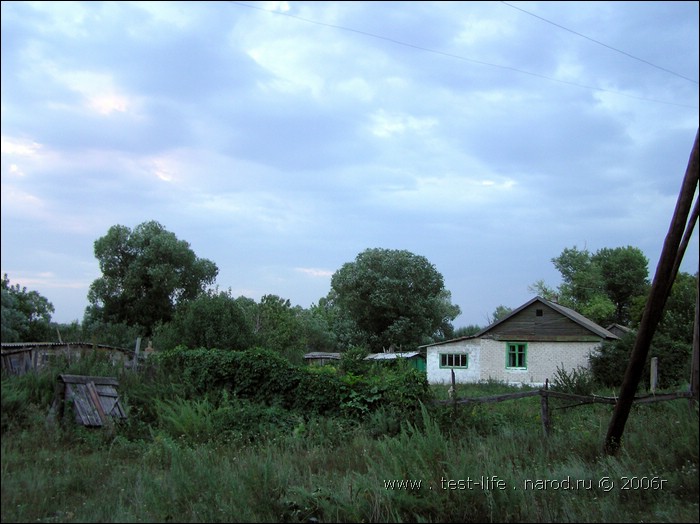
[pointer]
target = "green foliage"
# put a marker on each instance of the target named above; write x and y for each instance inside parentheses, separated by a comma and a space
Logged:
(604, 286)
(23, 396)
(394, 298)
(609, 364)
(679, 311)
(279, 326)
(217, 458)
(466, 331)
(26, 315)
(500, 313)
(353, 361)
(265, 376)
(146, 273)
(110, 334)
(578, 381)
(262, 376)
(625, 276)
(212, 320)
(320, 390)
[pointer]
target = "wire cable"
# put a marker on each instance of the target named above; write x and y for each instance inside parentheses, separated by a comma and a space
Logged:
(459, 57)
(601, 43)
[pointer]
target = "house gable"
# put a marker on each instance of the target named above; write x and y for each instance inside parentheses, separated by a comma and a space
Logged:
(541, 320)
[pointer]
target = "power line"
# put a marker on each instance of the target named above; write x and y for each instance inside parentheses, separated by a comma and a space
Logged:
(459, 57)
(601, 43)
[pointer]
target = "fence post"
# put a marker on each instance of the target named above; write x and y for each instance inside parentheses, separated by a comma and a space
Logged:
(654, 374)
(544, 405)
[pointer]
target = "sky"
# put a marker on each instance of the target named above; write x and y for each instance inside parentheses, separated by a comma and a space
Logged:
(282, 139)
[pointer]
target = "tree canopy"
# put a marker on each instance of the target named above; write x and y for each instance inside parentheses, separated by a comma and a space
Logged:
(146, 273)
(394, 297)
(603, 286)
(26, 315)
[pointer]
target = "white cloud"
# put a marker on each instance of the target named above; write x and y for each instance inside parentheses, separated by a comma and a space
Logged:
(19, 147)
(265, 138)
(385, 124)
(315, 272)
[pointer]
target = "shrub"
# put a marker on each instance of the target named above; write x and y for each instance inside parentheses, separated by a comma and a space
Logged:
(609, 364)
(578, 381)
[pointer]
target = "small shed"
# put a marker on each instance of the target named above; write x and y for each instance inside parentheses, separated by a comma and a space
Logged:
(319, 358)
(415, 358)
(21, 357)
(95, 400)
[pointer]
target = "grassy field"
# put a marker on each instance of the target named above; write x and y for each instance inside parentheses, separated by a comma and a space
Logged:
(230, 460)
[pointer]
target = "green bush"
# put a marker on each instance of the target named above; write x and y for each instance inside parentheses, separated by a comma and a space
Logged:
(578, 381)
(609, 364)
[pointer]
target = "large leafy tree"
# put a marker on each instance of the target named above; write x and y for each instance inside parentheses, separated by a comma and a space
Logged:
(604, 286)
(146, 274)
(394, 297)
(624, 273)
(26, 315)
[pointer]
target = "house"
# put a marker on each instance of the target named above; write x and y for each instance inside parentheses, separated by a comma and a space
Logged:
(414, 358)
(525, 347)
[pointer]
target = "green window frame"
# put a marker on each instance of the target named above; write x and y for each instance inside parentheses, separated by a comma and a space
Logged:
(516, 355)
(454, 360)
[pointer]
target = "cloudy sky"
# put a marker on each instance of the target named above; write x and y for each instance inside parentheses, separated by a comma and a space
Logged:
(281, 139)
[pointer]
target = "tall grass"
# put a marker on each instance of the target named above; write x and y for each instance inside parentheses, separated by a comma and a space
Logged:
(221, 459)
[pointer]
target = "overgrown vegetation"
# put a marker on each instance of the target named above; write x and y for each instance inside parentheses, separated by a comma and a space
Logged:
(226, 436)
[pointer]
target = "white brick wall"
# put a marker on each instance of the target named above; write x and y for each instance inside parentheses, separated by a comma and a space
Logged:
(543, 358)
(487, 359)
(437, 375)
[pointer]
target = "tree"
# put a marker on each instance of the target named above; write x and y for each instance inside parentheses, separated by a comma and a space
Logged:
(146, 273)
(605, 286)
(624, 275)
(500, 313)
(278, 326)
(394, 297)
(679, 311)
(212, 320)
(26, 315)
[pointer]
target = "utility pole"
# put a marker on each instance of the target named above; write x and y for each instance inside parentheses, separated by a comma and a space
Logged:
(666, 270)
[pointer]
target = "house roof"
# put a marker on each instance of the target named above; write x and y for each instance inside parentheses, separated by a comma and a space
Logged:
(21, 346)
(392, 356)
(569, 313)
(321, 354)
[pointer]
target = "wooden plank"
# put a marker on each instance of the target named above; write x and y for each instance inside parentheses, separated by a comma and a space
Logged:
(84, 411)
(110, 401)
(82, 379)
(491, 399)
(96, 402)
(583, 399)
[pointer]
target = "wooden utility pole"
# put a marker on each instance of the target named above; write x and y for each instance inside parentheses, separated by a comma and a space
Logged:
(666, 271)
(695, 359)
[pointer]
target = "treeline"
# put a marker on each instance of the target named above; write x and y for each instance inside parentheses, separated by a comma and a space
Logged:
(154, 286)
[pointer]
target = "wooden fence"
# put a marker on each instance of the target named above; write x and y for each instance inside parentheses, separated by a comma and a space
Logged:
(545, 393)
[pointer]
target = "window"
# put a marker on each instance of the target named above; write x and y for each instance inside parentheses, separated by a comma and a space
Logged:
(516, 355)
(539, 312)
(453, 360)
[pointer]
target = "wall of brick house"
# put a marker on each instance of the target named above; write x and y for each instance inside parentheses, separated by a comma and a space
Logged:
(543, 358)
(438, 375)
